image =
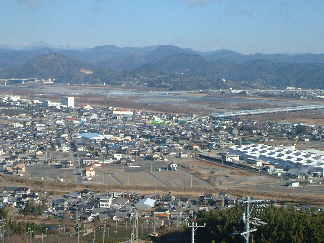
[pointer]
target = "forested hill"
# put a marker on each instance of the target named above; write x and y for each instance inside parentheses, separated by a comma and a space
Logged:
(283, 224)
(167, 67)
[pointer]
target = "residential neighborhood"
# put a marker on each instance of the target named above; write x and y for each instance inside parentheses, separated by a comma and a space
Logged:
(108, 146)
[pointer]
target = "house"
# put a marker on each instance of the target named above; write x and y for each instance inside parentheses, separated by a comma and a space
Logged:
(182, 155)
(293, 184)
(65, 149)
(4, 198)
(161, 212)
(117, 156)
(9, 189)
(90, 171)
(124, 212)
(119, 202)
(145, 204)
(39, 153)
(231, 201)
(19, 169)
(219, 201)
(183, 202)
(66, 163)
(96, 164)
(105, 201)
(234, 158)
(22, 191)
(208, 197)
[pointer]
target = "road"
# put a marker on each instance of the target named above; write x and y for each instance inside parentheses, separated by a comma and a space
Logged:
(77, 168)
(117, 179)
(159, 179)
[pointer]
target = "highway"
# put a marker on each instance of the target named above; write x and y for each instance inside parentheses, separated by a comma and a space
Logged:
(264, 111)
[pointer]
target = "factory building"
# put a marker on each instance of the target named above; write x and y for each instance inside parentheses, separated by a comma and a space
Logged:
(279, 156)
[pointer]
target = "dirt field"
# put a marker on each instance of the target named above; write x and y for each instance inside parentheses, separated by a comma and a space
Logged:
(309, 117)
(50, 172)
(225, 177)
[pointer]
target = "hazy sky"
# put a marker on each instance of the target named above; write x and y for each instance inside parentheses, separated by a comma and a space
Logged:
(245, 26)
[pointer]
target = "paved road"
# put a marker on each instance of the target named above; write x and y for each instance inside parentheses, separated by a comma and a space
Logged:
(77, 168)
(117, 179)
(159, 179)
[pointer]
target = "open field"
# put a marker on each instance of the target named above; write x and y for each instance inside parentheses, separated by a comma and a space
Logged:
(174, 102)
(142, 176)
(313, 195)
(233, 181)
(309, 117)
(51, 172)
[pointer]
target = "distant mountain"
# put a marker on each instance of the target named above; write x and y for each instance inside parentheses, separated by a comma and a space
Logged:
(167, 67)
(162, 52)
(187, 63)
(34, 46)
(55, 66)
(145, 71)
(11, 58)
(127, 63)
(224, 55)
(280, 58)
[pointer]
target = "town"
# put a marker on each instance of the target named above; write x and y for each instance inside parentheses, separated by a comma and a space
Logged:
(125, 152)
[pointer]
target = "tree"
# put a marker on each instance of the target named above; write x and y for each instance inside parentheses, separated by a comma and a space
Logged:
(31, 208)
(300, 129)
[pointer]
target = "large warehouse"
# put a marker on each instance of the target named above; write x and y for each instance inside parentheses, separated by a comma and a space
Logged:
(287, 158)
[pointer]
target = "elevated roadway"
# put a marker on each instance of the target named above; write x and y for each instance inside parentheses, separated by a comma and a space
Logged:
(264, 111)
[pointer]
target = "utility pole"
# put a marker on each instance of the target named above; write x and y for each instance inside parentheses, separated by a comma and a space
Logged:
(194, 227)
(136, 225)
(77, 225)
(103, 234)
(147, 227)
(116, 227)
(247, 220)
(153, 223)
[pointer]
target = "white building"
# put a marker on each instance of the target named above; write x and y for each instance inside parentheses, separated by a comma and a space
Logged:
(145, 204)
(67, 101)
(48, 103)
(122, 112)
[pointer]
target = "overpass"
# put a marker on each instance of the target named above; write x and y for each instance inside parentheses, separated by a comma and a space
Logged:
(264, 111)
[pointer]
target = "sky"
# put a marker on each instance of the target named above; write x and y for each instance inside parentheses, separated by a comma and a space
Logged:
(245, 26)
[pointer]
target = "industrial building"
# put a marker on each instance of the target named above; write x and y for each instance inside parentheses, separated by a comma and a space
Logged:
(281, 157)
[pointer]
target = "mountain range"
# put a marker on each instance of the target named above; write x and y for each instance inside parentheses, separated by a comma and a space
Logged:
(167, 67)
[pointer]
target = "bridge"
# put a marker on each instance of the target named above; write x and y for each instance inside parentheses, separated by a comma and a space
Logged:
(264, 111)
(16, 80)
